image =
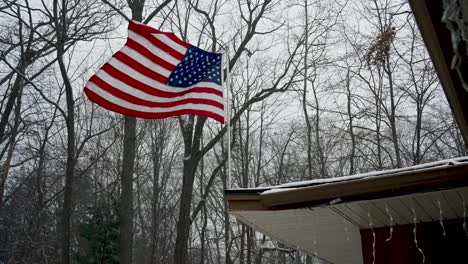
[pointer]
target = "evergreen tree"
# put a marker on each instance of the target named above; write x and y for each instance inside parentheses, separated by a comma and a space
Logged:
(99, 237)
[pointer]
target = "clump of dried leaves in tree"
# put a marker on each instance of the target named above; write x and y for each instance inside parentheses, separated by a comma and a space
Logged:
(378, 51)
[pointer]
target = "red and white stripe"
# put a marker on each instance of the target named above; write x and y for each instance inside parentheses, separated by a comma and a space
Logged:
(133, 81)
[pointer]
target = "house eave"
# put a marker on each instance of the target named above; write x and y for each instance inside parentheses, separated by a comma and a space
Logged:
(383, 186)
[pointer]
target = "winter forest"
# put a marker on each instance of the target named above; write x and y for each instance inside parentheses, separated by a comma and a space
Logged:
(319, 88)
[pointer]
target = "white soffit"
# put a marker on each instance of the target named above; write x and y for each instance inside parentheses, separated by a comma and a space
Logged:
(427, 207)
(319, 231)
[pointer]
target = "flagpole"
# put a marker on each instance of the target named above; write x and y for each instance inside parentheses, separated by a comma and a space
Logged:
(228, 117)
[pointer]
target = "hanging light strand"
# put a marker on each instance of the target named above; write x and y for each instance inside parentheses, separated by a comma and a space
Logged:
(391, 223)
(441, 213)
(415, 220)
(464, 216)
(371, 224)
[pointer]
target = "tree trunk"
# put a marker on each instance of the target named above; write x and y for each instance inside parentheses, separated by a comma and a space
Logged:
(67, 208)
(70, 166)
(317, 132)
(15, 90)
(260, 147)
(5, 169)
(157, 156)
(128, 163)
(203, 234)
(183, 224)
(192, 133)
(378, 121)
(393, 106)
(417, 153)
(126, 195)
(227, 223)
(304, 97)
(352, 153)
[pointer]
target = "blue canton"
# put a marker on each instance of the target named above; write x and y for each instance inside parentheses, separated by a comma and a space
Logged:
(198, 66)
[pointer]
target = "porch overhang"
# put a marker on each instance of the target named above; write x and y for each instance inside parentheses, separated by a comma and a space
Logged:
(324, 217)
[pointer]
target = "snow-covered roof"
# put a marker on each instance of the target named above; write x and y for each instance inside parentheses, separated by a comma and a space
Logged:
(416, 168)
(438, 175)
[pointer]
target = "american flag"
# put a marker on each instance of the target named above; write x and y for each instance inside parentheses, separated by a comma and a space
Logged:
(157, 75)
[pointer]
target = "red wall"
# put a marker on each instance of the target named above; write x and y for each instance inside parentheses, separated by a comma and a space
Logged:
(401, 249)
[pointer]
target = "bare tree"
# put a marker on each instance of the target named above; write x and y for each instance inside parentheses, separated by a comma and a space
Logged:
(192, 128)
